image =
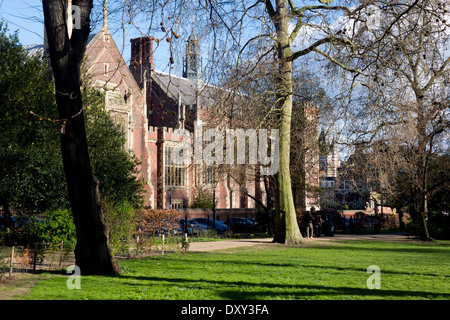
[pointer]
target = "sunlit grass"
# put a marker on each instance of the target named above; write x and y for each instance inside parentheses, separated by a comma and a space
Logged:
(337, 271)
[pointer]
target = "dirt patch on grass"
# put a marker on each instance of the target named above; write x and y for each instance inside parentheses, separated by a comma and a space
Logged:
(18, 285)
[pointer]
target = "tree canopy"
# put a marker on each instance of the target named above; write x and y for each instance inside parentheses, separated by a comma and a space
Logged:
(31, 175)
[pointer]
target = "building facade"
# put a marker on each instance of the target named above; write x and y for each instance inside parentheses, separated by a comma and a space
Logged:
(156, 109)
(328, 171)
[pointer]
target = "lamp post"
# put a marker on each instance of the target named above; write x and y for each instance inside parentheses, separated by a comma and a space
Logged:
(170, 198)
(214, 185)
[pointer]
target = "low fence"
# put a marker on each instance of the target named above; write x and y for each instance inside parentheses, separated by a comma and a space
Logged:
(221, 214)
(359, 219)
(21, 259)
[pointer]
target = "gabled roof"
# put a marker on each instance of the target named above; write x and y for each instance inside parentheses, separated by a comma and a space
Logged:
(95, 50)
(188, 90)
(95, 36)
(34, 49)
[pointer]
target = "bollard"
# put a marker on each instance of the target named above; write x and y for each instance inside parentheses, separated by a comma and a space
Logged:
(35, 258)
(185, 245)
(61, 253)
(11, 261)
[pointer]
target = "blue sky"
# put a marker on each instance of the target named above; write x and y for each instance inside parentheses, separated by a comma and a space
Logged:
(27, 17)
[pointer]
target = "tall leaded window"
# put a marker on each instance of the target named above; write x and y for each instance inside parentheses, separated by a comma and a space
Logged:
(174, 171)
(209, 173)
(120, 121)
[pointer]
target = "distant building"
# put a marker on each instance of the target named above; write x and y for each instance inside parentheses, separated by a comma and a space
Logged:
(306, 174)
(328, 171)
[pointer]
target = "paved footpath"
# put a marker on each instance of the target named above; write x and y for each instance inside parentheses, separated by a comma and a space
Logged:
(236, 243)
(226, 244)
(380, 236)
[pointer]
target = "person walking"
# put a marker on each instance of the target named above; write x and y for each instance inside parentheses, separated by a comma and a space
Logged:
(309, 224)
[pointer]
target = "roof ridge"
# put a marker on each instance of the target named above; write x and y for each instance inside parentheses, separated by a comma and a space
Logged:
(170, 74)
(204, 85)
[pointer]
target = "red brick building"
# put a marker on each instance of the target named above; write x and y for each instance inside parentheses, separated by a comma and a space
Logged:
(159, 112)
(152, 107)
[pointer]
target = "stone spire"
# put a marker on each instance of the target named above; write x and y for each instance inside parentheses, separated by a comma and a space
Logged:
(105, 13)
(192, 68)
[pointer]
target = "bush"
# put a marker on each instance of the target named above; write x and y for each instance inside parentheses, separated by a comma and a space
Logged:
(54, 230)
(203, 199)
(25, 231)
(152, 222)
(208, 233)
(120, 219)
(57, 227)
(436, 231)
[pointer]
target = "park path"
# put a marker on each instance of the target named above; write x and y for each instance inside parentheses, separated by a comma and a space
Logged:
(237, 243)
(226, 244)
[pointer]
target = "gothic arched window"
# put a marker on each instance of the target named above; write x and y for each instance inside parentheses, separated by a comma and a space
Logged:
(193, 62)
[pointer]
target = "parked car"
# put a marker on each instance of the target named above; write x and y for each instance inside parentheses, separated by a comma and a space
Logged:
(18, 224)
(168, 227)
(240, 224)
(193, 227)
(256, 225)
(219, 225)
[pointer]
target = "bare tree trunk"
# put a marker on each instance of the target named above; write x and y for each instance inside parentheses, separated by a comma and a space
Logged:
(424, 200)
(286, 200)
(92, 252)
(7, 213)
(280, 226)
(422, 163)
(286, 214)
(424, 204)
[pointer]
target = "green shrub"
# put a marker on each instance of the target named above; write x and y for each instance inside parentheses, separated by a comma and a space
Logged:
(120, 218)
(208, 233)
(25, 231)
(439, 231)
(203, 199)
(58, 227)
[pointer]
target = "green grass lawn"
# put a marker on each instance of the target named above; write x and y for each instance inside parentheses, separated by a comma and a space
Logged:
(335, 271)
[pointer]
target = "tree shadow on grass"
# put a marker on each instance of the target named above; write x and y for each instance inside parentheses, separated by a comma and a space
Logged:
(256, 290)
(416, 249)
(265, 290)
(245, 263)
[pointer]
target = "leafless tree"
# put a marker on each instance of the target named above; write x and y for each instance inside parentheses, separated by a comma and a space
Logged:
(244, 34)
(241, 35)
(403, 115)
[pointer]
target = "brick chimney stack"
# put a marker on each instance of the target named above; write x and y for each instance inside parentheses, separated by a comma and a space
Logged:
(141, 59)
